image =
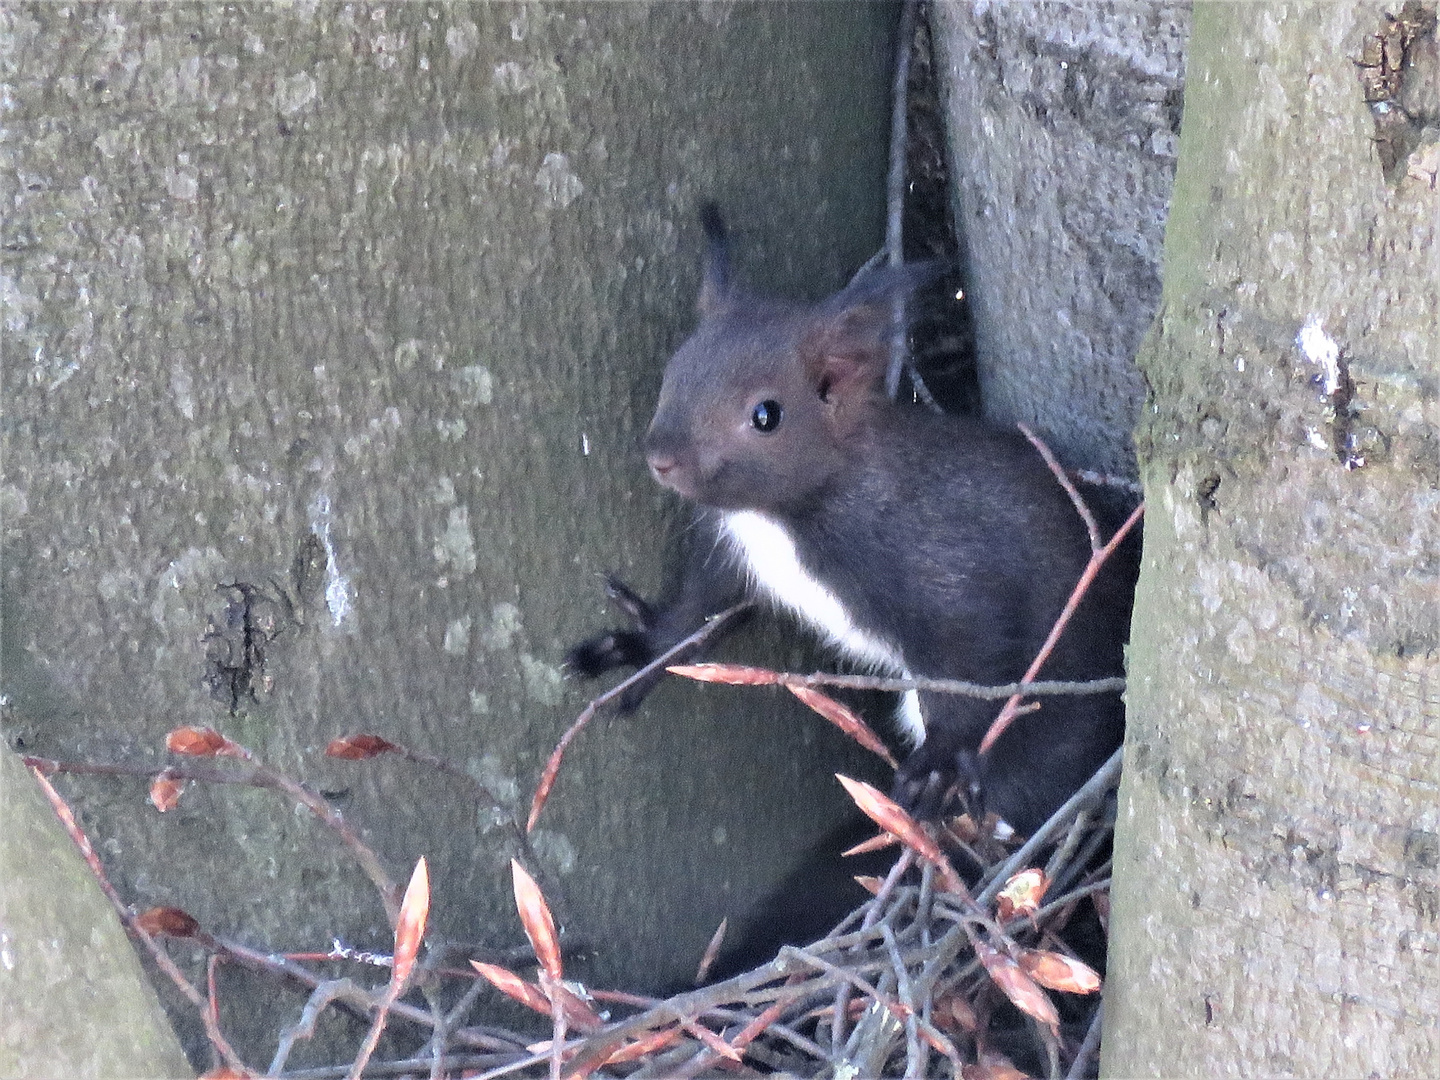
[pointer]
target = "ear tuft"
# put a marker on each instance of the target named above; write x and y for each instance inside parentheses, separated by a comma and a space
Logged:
(715, 284)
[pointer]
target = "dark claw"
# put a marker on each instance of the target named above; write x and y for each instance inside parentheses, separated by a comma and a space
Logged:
(934, 782)
(625, 598)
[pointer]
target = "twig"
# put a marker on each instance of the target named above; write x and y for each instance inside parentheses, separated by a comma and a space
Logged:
(252, 774)
(552, 766)
(401, 1067)
(915, 1056)
(323, 994)
(1059, 902)
(956, 686)
(1098, 556)
(1092, 569)
(1090, 1045)
(891, 1006)
(1061, 855)
(161, 957)
(1059, 472)
(873, 909)
(895, 190)
(899, 141)
(362, 1002)
(1092, 790)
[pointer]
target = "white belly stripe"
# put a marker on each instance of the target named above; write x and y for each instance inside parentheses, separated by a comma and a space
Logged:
(769, 555)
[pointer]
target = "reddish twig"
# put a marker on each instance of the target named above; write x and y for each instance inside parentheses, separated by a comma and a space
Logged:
(161, 957)
(1092, 569)
(552, 766)
(1098, 556)
(252, 774)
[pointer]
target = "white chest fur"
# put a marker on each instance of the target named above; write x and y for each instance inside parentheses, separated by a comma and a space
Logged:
(768, 553)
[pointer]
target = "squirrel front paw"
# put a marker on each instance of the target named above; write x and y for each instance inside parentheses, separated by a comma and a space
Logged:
(604, 652)
(620, 647)
(936, 780)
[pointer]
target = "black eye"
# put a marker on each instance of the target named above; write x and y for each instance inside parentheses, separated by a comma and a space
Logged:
(766, 416)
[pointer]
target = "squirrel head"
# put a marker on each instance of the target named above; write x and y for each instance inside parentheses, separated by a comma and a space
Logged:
(768, 402)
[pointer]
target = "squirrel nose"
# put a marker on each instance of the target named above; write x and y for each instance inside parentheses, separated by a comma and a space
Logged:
(661, 464)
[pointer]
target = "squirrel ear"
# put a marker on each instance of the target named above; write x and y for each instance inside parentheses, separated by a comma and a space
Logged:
(715, 284)
(847, 347)
(846, 351)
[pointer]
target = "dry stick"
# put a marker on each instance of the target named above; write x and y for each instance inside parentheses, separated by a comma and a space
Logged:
(161, 957)
(915, 1055)
(868, 1047)
(1091, 791)
(1090, 1045)
(891, 1006)
(557, 1021)
(599, 1046)
(252, 774)
(1092, 569)
(362, 1002)
(377, 1028)
(344, 990)
(1059, 859)
(873, 909)
(1102, 831)
(958, 687)
(404, 1067)
(1077, 893)
(552, 766)
(522, 1063)
(895, 207)
(728, 1016)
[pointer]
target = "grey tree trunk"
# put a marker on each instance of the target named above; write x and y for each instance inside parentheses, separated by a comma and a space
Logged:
(1061, 120)
(1277, 866)
(76, 1002)
(330, 334)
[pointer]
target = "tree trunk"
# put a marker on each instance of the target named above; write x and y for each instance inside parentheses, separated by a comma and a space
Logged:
(1277, 865)
(331, 333)
(1061, 120)
(76, 1001)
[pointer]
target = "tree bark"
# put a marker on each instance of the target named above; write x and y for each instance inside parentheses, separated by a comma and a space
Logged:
(331, 333)
(1061, 120)
(1277, 863)
(76, 1000)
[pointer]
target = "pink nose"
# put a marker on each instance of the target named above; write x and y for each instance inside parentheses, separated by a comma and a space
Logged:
(661, 464)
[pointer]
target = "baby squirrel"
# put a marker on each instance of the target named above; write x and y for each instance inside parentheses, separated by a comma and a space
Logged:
(914, 543)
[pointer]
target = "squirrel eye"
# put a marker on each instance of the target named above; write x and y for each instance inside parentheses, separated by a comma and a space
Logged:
(766, 416)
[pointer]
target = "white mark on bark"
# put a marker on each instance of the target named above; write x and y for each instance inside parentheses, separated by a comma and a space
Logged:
(457, 636)
(337, 586)
(1321, 350)
(294, 93)
(462, 38)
